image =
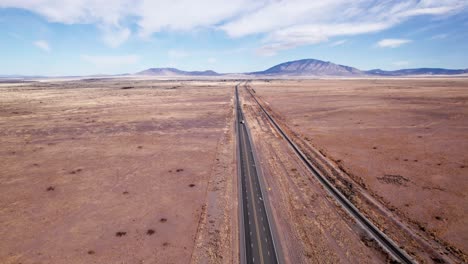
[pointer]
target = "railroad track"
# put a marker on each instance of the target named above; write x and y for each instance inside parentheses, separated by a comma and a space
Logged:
(257, 243)
(385, 242)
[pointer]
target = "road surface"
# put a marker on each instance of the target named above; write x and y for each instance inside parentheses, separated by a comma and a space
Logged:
(259, 245)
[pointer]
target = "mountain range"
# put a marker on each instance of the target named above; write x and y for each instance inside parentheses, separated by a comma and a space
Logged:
(297, 68)
(418, 71)
(309, 67)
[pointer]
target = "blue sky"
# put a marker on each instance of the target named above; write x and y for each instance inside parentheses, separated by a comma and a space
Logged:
(82, 37)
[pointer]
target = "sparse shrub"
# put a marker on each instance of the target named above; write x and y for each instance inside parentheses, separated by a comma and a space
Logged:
(120, 234)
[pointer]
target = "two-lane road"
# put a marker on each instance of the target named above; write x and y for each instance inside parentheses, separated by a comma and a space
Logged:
(259, 245)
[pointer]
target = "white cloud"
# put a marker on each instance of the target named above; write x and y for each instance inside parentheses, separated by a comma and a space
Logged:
(392, 43)
(338, 42)
(294, 36)
(282, 24)
(115, 36)
(43, 45)
(100, 61)
(288, 24)
(186, 15)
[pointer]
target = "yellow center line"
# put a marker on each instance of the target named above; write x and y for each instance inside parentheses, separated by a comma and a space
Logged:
(253, 202)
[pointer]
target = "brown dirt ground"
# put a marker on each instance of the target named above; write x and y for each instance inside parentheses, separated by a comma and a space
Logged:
(310, 226)
(402, 141)
(93, 173)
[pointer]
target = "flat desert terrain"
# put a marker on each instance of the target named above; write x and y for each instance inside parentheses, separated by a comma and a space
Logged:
(144, 171)
(404, 142)
(311, 227)
(115, 171)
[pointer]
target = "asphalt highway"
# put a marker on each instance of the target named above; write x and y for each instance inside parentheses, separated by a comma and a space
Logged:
(259, 245)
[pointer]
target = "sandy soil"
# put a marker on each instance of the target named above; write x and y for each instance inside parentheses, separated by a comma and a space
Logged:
(402, 141)
(117, 172)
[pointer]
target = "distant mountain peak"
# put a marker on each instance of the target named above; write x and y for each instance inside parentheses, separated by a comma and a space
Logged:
(310, 67)
(314, 67)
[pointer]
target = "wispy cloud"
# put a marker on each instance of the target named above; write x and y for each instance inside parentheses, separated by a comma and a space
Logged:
(439, 36)
(43, 45)
(281, 24)
(270, 50)
(104, 61)
(392, 43)
(311, 22)
(338, 42)
(115, 36)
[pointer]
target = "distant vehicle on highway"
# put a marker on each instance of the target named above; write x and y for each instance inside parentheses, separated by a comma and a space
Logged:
(242, 122)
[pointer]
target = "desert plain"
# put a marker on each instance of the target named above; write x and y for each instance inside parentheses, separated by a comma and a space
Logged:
(401, 141)
(144, 171)
(115, 171)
